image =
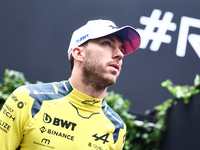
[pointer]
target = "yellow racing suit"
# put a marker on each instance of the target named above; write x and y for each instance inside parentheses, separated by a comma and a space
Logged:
(56, 116)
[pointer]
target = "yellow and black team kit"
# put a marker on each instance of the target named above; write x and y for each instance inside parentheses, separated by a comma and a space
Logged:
(56, 116)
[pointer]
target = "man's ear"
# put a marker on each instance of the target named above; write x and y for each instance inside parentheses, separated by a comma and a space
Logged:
(78, 53)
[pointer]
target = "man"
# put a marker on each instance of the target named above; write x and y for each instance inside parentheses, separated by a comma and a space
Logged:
(73, 114)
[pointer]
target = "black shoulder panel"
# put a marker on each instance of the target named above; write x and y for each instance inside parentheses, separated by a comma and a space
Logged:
(46, 91)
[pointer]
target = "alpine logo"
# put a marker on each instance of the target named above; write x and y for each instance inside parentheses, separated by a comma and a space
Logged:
(59, 122)
(103, 137)
(90, 102)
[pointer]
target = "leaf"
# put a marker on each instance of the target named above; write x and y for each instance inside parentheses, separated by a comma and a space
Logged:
(166, 83)
(197, 80)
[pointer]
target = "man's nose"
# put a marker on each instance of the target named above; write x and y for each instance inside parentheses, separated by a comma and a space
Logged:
(118, 53)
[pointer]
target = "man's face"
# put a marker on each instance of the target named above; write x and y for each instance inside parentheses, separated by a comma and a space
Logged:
(103, 60)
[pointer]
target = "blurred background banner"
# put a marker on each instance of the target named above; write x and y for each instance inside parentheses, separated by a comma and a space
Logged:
(35, 35)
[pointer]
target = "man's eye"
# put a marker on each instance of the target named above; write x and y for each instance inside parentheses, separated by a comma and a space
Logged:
(107, 43)
(122, 51)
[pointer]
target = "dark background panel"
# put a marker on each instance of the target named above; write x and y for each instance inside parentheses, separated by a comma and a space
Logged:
(34, 38)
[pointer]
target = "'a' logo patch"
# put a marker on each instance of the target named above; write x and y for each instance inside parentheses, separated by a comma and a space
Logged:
(90, 102)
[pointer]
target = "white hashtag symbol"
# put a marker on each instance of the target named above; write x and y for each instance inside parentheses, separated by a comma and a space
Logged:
(152, 23)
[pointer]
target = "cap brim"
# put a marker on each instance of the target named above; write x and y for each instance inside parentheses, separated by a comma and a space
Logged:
(130, 38)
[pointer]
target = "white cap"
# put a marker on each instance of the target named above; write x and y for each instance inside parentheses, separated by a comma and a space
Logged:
(100, 28)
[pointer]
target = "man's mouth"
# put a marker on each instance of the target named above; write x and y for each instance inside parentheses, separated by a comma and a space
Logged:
(115, 66)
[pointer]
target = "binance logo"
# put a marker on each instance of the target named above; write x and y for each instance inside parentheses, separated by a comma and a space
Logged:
(43, 129)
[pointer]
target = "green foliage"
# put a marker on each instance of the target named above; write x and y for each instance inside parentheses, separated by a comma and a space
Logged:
(121, 106)
(139, 136)
(183, 92)
(161, 116)
(179, 92)
(12, 80)
(197, 81)
(142, 136)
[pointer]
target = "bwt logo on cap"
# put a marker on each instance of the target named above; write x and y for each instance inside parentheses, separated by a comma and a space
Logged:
(113, 27)
(82, 38)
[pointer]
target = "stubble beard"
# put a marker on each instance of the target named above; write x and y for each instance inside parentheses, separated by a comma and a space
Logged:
(93, 74)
